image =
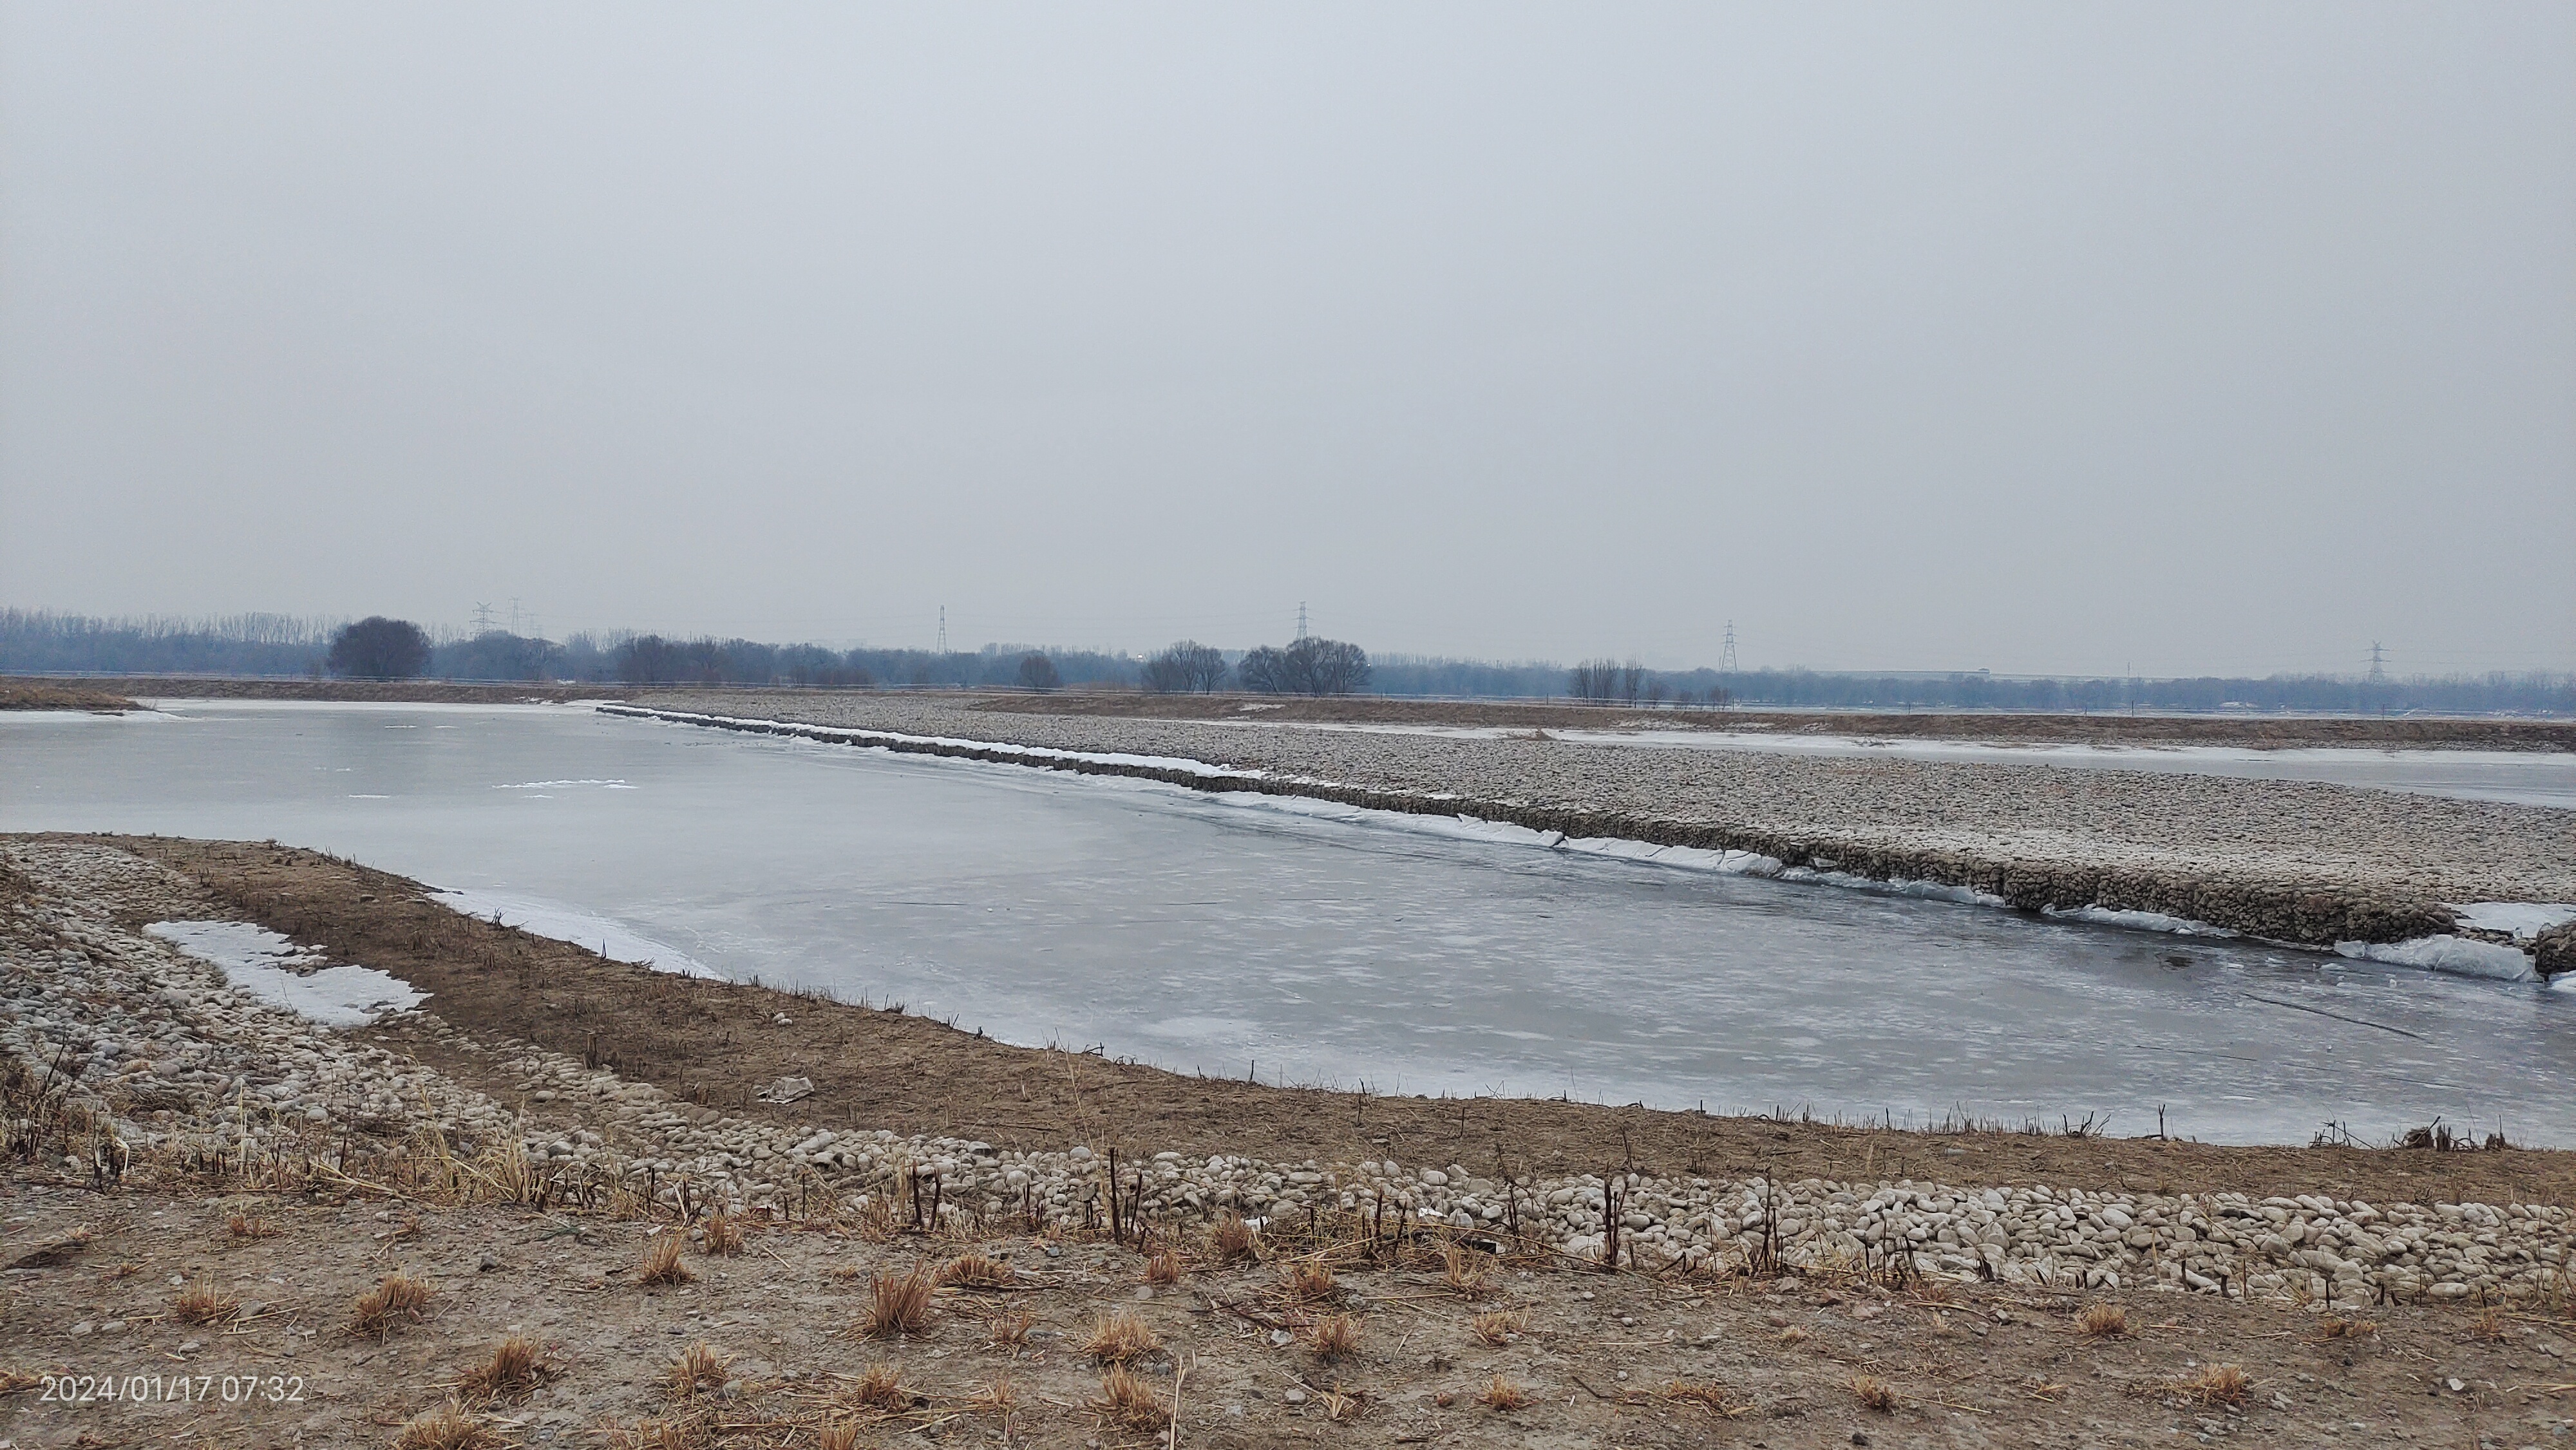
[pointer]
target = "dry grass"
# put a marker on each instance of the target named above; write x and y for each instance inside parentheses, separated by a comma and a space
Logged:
(897, 1304)
(2490, 1327)
(1497, 1328)
(1234, 1241)
(449, 1427)
(1009, 1331)
(654, 1435)
(1163, 1268)
(19, 1381)
(1334, 1335)
(1874, 1394)
(837, 1435)
(722, 1235)
(661, 1262)
(198, 1304)
(880, 1388)
(1121, 1336)
(1341, 1405)
(2103, 1321)
(1307, 1282)
(1130, 1401)
(1707, 1394)
(397, 1299)
(1466, 1274)
(518, 1365)
(698, 1369)
(976, 1270)
(243, 1225)
(1793, 1335)
(1501, 1394)
(2337, 1328)
(2217, 1384)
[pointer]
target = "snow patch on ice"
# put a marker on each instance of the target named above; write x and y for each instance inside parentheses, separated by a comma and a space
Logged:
(2137, 920)
(286, 976)
(581, 928)
(844, 735)
(2458, 955)
(2521, 920)
(564, 784)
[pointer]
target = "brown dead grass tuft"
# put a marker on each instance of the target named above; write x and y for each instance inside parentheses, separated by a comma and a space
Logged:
(698, 1369)
(396, 1299)
(1498, 1327)
(1467, 1274)
(837, 1435)
(2338, 1328)
(1009, 1331)
(1793, 1335)
(1120, 1336)
(1163, 1268)
(2490, 1327)
(897, 1304)
(1334, 1335)
(881, 1388)
(516, 1368)
(2103, 1321)
(1501, 1394)
(1235, 1241)
(449, 1427)
(198, 1304)
(975, 1270)
(1130, 1401)
(681, 1434)
(1873, 1393)
(722, 1234)
(661, 1262)
(1708, 1395)
(2217, 1384)
(1307, 1282)
(242, 1225)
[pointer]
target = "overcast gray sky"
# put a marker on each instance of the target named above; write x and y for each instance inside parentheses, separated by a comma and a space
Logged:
(2162, 337)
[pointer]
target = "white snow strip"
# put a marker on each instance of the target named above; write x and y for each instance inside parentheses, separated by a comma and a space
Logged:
(581, 928)
(266, 965)
(2137, 920)
(850, 736)
(565, 785)
(2521, 920)
(2458, 955)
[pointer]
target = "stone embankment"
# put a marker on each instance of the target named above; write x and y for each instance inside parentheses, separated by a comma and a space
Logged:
(2309, 864)
(177, 1066)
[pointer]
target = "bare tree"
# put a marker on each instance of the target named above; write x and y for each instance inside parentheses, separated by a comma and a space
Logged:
(1187, 667)
(377, 648)
(1037, 672)
(1311, 666)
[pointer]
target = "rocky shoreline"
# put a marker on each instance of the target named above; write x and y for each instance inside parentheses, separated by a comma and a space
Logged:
(2282, 861)
(166, 1063)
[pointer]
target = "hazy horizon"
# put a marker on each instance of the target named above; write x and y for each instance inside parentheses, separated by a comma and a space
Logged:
(2159, 341)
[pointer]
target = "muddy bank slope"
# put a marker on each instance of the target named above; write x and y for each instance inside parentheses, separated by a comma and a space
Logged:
(2292, 861)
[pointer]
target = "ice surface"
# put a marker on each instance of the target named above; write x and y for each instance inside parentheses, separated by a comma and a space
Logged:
(284, 975)
(2459, 955)
(581, 928)
(2139, 920)
(2520, 919)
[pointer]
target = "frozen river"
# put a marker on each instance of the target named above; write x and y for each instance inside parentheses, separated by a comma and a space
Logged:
(1202, 932)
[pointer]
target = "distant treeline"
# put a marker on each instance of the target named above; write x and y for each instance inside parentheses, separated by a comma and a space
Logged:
(40, 642)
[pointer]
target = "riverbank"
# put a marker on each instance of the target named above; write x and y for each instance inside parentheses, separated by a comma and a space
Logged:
(2297, 862)
(22, 694)
(517, 1141)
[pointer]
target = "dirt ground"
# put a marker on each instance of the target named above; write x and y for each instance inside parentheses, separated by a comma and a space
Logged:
(714, 1043)
(19, 694)
(96, 1284)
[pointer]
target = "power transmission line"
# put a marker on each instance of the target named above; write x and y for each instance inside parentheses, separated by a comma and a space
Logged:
(1301, 619)
(943, 629)
(1726, 659)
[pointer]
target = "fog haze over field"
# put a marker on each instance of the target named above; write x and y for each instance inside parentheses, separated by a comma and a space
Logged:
(2161, 339)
